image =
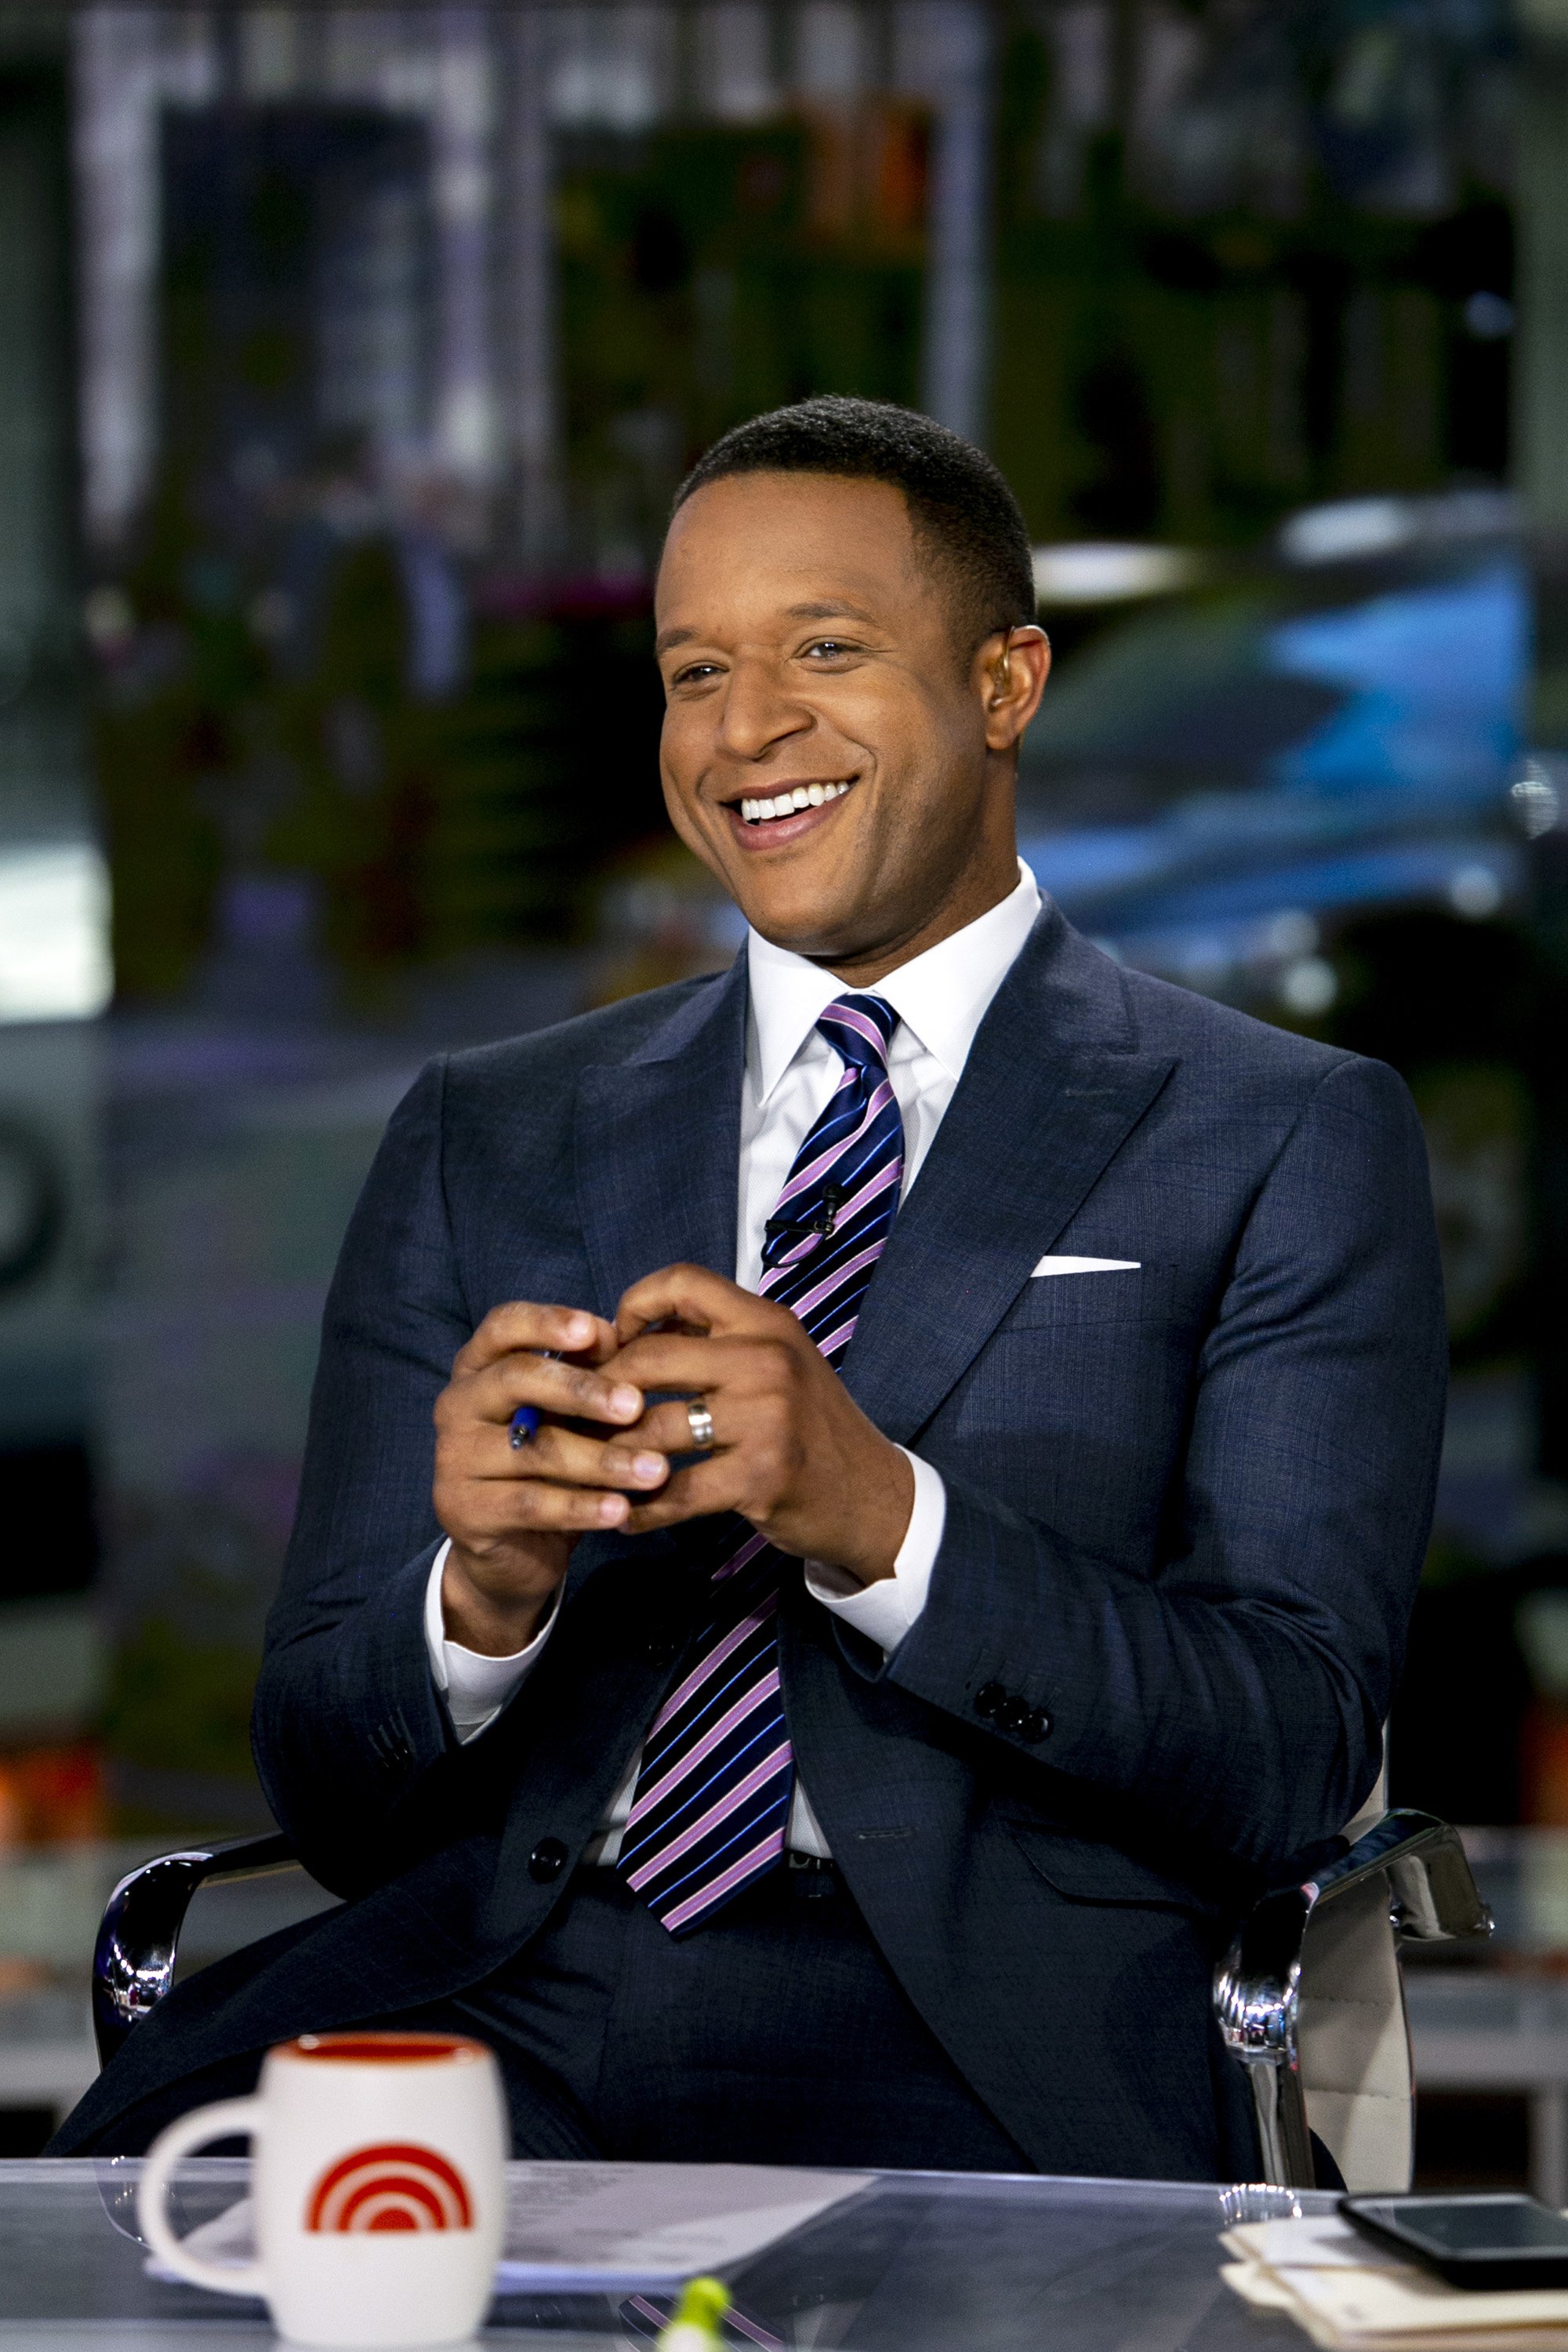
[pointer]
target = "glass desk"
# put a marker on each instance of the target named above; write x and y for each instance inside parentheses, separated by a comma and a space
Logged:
(920, 2262)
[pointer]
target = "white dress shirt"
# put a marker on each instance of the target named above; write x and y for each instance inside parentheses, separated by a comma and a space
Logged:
(940, 998)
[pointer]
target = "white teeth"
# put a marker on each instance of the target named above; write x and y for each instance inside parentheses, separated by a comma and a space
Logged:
(800, 796)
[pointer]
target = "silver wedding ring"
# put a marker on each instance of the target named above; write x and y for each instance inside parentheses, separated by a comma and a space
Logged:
(699, 1421)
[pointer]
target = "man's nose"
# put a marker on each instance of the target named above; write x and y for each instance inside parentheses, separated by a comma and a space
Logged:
(759, 712)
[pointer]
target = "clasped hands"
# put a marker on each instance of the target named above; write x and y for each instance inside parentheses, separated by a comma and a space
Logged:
(792, 1451)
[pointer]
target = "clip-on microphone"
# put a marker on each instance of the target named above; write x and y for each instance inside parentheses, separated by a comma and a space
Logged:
(833, 1198)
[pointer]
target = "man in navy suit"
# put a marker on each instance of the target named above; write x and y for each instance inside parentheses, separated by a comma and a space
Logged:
(856, 1510)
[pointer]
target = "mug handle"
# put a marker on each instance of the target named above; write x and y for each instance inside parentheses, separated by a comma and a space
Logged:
(188, 2132)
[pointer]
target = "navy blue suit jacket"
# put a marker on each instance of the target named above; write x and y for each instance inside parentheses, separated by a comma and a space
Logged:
(1186, 1511)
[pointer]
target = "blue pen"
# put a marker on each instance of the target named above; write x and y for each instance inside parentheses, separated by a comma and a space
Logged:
(524, 1423)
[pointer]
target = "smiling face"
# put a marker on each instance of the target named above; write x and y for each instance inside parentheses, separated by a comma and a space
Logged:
(830, 749)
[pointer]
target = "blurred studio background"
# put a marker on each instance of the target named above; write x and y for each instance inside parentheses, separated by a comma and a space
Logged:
(347, 360)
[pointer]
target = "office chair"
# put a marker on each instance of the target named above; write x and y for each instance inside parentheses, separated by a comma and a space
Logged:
(139, 1935)
(1309, 1996)
(1311, 1999)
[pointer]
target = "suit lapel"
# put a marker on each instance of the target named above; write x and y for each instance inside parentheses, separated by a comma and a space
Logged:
(657, 1142)
(1052, 1089)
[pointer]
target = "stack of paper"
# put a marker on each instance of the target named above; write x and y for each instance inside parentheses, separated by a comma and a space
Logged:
(613, 2226)
(1352, 2295)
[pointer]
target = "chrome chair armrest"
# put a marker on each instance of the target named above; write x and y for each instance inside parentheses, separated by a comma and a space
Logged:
(133, 1965)
(1430, 1897)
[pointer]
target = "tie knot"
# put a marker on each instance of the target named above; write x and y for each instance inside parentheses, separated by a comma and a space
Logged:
(860, 1029)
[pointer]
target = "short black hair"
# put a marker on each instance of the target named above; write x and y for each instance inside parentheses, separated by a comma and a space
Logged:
(959, 503)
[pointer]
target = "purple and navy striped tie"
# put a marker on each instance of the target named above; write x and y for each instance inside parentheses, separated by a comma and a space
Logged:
(712, 1798)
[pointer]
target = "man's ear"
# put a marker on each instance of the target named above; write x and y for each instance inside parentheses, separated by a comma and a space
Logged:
(1014, 665)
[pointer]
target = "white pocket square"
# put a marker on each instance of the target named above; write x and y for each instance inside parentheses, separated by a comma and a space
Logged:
(1089, 1266)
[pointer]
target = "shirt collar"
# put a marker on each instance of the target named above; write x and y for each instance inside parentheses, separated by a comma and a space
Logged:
(942, 995)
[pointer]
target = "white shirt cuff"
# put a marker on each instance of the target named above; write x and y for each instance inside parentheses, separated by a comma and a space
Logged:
(476, 1687)
(886, 1610)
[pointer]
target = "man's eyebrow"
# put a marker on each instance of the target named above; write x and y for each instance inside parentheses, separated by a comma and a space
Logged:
(667, 639)
(832, 608)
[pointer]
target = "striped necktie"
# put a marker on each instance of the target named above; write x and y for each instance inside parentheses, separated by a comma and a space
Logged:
(712, 1798)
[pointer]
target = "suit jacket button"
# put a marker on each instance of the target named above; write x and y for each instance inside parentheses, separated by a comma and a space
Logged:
(989, 1700)
(547, 1860)
(1035, 1725)
(1012, 1715)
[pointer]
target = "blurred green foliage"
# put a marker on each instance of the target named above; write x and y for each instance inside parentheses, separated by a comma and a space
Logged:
(709, 273)
(430, 825)
(1196, 377)
(175, 1704)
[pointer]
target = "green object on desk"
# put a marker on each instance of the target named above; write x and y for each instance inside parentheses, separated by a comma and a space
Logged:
(694, 2324)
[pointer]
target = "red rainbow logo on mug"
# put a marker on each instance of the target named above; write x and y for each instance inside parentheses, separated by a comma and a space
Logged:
(395, 2185)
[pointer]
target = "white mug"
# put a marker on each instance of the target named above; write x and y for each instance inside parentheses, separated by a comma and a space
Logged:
(378, 2185)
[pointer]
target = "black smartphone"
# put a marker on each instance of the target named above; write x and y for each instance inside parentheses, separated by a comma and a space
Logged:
(1486, 2241)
